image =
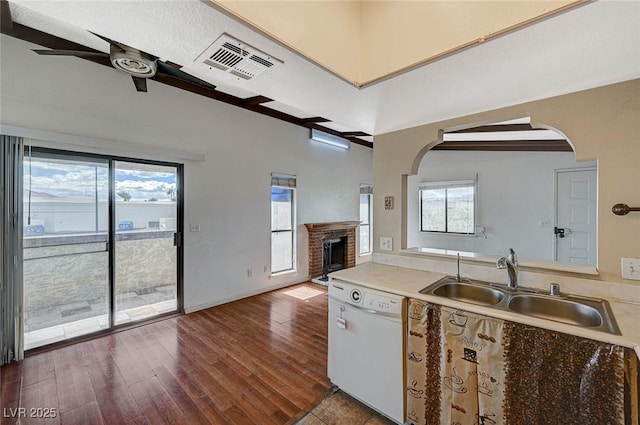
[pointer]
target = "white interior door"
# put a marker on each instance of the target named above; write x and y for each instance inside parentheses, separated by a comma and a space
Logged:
(576, 216)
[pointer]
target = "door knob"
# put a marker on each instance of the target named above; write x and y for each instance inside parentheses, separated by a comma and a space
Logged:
(559, 232)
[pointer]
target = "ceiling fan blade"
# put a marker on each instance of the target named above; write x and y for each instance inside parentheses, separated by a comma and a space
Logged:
(76, 53)
(164, 68)
(122, 46)
(108, 40)
(140, 83)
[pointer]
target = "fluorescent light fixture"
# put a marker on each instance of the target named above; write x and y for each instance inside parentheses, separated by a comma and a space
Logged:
(330, 139)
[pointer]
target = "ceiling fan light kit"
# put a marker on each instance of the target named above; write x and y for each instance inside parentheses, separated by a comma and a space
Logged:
(133, 62)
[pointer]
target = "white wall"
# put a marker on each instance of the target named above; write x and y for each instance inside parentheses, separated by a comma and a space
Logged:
(227, 193)
(515, 193)
(79, 214)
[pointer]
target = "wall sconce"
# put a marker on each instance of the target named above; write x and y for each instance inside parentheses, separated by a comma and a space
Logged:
(329, 139)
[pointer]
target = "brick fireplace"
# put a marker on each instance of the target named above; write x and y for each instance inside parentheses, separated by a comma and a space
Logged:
(322, 234)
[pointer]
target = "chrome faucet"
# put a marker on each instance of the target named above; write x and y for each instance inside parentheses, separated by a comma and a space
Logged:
(511, 264)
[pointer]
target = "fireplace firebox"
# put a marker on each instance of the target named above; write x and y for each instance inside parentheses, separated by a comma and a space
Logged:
(334, 255)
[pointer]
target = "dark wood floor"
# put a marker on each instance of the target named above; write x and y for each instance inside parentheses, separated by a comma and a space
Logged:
(261, 360)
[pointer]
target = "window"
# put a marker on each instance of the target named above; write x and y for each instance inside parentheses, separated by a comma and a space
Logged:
(366, 195)
(282, 223)
(448, 207)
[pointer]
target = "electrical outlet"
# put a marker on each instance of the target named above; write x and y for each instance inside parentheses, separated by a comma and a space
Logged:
(631, 268)
(194, 227)
(386, 244)
(545, 223)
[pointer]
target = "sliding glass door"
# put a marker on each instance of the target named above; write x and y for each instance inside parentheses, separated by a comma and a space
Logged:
(100, 243)
(146, 219)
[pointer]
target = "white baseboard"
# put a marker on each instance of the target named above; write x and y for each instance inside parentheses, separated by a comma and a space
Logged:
(247, 294)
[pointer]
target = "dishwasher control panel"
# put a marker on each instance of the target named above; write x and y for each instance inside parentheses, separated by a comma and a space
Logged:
(369, 299)
(382, 303)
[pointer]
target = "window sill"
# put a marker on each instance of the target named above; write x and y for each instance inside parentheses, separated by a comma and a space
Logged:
(284, 272)
(466, 235)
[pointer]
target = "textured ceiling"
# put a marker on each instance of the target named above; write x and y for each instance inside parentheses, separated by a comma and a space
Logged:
(590, 46)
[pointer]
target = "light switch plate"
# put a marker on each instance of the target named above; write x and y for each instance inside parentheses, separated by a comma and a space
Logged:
(631, 268)
(386, 244)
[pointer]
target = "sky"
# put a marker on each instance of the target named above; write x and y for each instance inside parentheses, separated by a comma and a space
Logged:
(66, 179)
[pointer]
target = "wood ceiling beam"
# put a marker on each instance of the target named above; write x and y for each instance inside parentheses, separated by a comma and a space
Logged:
(40, 38)
(355, 134)
(5, 15)
(559, 145)
(256, 100)
(312, 120)
(495, 128)
(43, 39)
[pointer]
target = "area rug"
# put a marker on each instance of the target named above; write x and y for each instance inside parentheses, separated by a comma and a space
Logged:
(303, 293)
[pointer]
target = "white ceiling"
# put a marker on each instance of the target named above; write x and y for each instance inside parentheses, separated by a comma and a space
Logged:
(593, 45)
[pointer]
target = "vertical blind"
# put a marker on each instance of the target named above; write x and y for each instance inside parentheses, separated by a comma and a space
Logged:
(366, 189)
(283, 180)
(11, 289)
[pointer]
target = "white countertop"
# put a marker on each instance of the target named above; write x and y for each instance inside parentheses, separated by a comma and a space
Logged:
(408, 282)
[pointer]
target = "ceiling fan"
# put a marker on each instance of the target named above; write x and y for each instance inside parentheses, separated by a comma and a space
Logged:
(138, 64)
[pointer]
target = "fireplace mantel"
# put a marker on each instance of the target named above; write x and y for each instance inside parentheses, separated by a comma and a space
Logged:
(335, 225)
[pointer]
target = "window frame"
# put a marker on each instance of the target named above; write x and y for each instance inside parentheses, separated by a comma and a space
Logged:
(446, 185)
(287, 182)
(366, 190)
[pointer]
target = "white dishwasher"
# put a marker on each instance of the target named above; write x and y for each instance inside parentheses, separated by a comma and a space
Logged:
(366, 341)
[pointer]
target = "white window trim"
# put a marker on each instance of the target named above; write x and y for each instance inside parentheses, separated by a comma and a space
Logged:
(449, 184)
(370, 225)
(286, 181)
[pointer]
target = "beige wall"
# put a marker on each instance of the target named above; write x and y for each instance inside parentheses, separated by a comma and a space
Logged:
(432, 28)
(601, 123)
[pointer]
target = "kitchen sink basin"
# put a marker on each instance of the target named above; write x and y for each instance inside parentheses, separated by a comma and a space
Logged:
(578, 311)
(474, 294)
(558, 309)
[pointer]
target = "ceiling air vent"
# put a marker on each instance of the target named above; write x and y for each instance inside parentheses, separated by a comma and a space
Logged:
(237, 58)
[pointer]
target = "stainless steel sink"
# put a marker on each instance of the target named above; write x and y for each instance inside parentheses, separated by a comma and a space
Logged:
(560, 310)
(578, 311)
(474, 294)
